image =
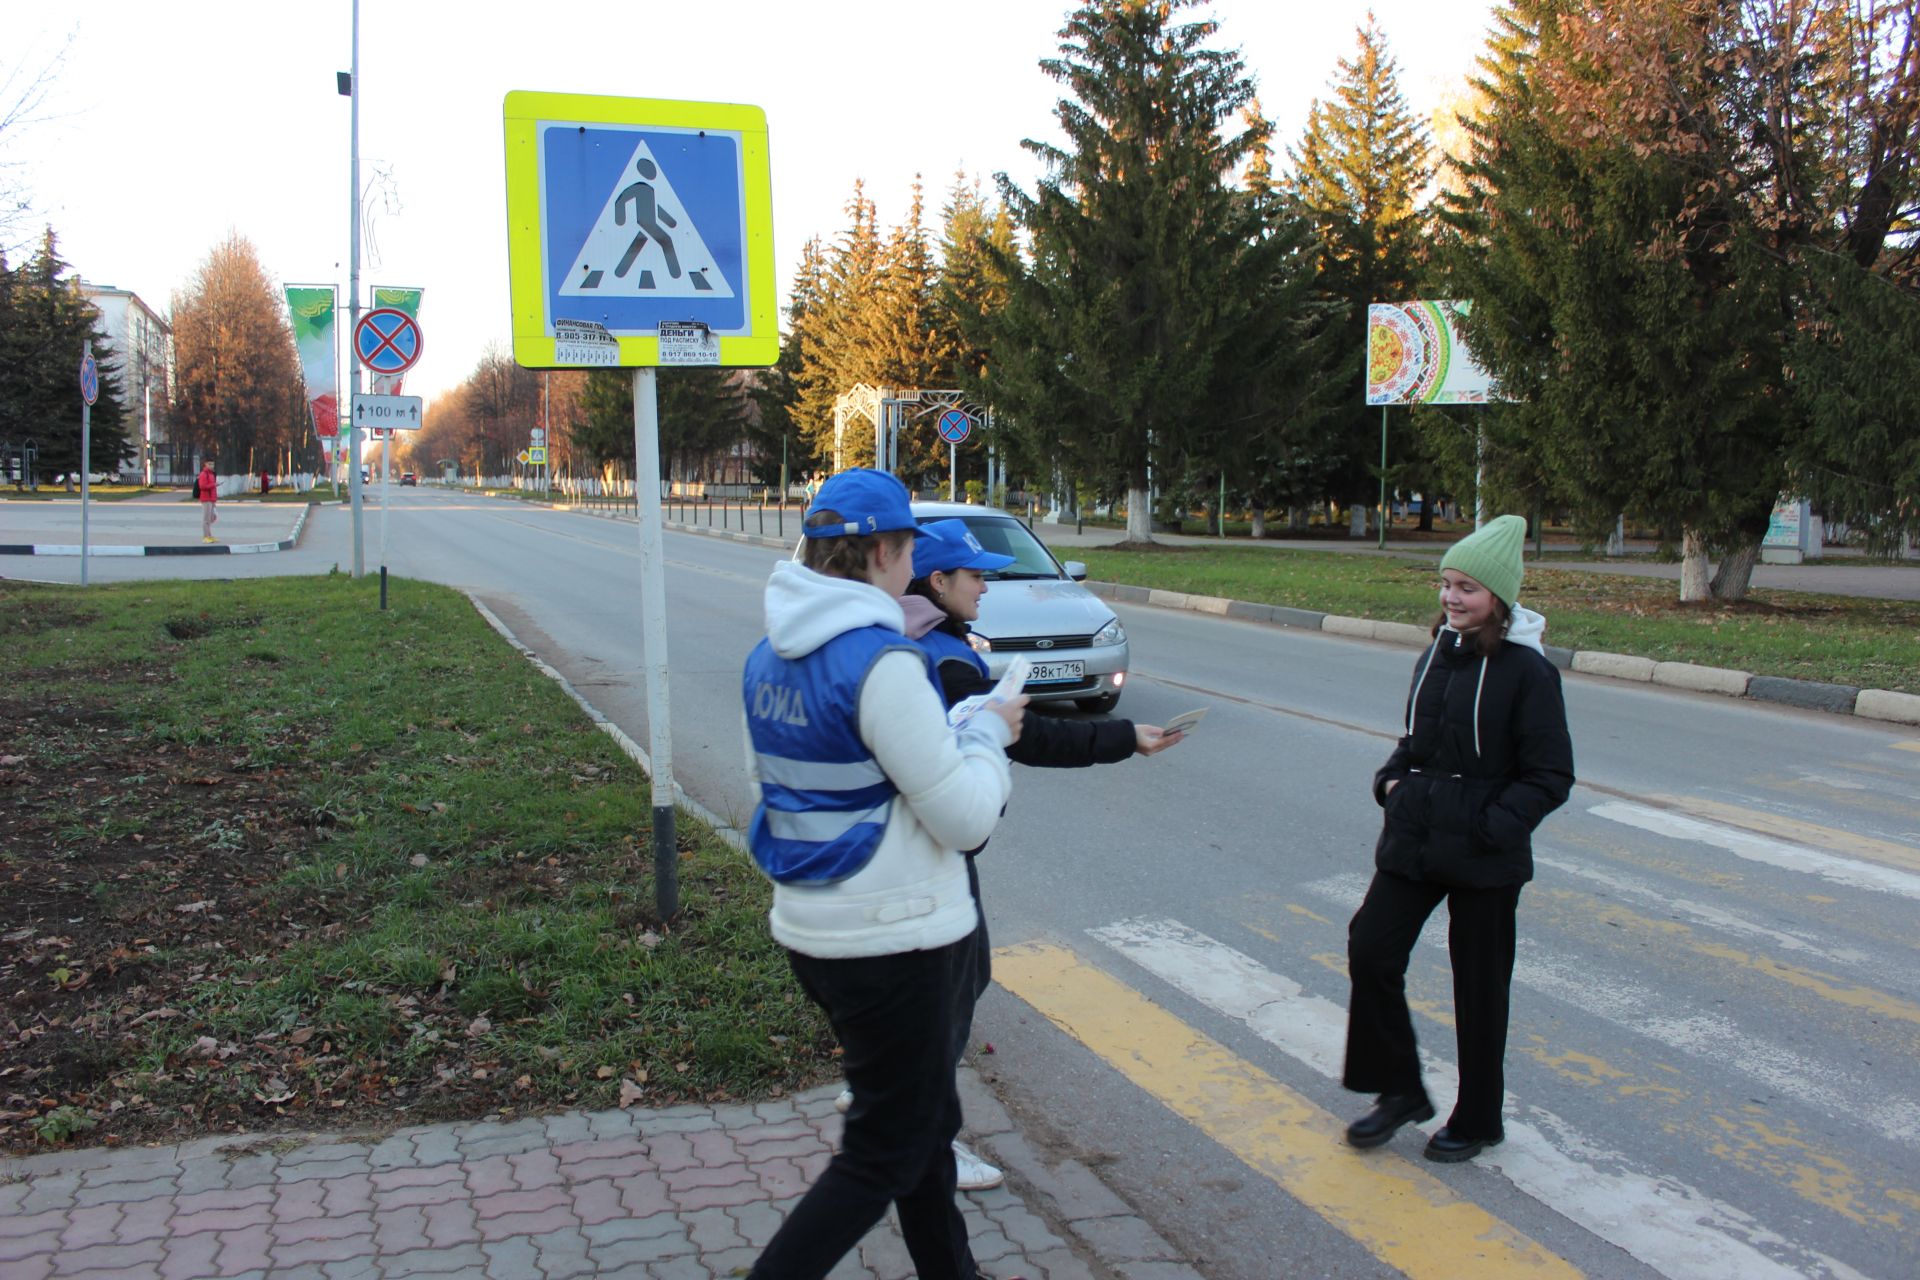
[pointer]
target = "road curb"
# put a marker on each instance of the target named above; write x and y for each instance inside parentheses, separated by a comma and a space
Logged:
(163, 549)
(1812, 695)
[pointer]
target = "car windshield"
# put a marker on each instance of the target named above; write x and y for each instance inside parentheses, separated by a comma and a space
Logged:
(1006, 536)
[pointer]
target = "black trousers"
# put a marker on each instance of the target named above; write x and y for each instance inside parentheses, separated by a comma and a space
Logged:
(1382, 1056)
(895, 1017)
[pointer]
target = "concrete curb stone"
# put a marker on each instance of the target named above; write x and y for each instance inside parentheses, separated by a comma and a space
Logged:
(1887, 704)
(1688, 675)
(1621, 666)
(1340, 625)
(1811, 694)
(1561, 658)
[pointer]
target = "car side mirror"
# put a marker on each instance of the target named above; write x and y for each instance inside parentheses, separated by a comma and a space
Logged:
(1075, 570)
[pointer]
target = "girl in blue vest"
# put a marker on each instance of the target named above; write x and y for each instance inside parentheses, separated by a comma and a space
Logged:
(949, 578)
(866, 797)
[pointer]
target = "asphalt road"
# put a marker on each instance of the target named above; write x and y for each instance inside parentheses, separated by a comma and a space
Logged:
(1717, 1003)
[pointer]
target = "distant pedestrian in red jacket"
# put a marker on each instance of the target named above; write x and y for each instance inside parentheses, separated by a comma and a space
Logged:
(266, 483)
(206, 487)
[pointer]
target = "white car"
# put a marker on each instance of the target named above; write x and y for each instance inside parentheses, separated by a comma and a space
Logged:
(1037, 607)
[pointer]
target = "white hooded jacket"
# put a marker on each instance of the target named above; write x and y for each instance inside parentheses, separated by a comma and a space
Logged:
(913, 895)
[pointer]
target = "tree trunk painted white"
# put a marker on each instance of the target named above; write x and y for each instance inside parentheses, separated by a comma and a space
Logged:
(1259, 515)
(1139, 516)
(1736, 572)
(1693, 567)
(1357, 521)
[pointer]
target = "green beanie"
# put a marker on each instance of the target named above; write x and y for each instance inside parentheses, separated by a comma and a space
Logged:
(1492, 556)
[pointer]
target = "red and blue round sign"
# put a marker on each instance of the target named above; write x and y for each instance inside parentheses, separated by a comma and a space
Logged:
(89, 379)
(954, 425)
(387, 340)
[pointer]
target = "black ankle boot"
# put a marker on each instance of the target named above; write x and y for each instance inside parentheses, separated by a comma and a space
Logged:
(1392, 1111)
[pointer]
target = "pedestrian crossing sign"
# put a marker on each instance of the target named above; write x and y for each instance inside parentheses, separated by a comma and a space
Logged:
(627, 214)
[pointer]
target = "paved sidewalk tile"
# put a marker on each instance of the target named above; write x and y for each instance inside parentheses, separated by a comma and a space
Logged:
(693, 1192)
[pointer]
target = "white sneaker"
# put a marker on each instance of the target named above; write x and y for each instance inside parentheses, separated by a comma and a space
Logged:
(844, 1101)
(975, 1174)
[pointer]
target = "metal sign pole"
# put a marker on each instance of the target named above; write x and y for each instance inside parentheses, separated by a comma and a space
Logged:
(353, 304)
(386, 454)
(1383, 477)
(653, 637)
(86, 463)
(953, 471)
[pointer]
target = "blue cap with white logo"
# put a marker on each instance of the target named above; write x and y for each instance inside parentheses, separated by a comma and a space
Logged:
(946, 545)
(867, 501)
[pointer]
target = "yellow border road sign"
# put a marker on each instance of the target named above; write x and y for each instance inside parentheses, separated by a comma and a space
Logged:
(624, 214)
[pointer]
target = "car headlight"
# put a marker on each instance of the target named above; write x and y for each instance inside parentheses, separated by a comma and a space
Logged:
(1112, 633)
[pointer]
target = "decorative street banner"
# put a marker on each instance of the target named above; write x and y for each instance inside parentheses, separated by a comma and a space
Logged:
(312, 310)
(1415, 355)
(403, 300)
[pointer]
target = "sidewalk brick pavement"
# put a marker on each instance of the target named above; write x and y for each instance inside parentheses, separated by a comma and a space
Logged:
(686, 1193)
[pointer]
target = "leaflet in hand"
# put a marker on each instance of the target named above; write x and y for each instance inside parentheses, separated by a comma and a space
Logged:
(1184, 722)
(1008, 688)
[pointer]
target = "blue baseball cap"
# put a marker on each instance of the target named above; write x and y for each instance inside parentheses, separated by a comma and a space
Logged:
(946, 545)
(867, 501)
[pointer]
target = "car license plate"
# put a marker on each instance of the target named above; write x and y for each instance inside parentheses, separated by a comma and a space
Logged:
(1057, 672)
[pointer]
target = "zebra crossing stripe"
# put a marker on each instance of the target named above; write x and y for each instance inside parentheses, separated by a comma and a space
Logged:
(1762, 849)
(1404, 1216)
(1673, 1228)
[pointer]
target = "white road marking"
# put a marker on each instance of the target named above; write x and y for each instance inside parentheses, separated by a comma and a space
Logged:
(1784, 854)
(1701, 913)
(1671, 1227)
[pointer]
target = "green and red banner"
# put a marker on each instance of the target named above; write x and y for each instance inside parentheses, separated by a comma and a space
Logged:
(313, 310)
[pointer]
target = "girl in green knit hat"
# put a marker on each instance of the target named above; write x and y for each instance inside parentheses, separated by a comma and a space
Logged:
(1484, 758)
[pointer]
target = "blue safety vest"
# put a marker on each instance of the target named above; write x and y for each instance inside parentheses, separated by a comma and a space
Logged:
(824, 800)
(943, 646)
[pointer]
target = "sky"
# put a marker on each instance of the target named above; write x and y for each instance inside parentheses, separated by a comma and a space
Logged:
(168, 126)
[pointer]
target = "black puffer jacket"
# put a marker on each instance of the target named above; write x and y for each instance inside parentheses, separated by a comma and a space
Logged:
(1486, 758)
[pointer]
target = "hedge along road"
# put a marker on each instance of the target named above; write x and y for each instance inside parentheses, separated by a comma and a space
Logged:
(1716, 1007)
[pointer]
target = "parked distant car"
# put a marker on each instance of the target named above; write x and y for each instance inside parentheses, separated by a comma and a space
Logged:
(408, 477)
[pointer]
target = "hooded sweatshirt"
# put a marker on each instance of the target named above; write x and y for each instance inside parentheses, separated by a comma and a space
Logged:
(1486, 756)
(912, 895)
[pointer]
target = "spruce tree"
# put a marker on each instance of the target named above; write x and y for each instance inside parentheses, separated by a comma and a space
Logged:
(1107, 355)
(1359, 172)
(1278, 399)
(45, 322)
(976, 239)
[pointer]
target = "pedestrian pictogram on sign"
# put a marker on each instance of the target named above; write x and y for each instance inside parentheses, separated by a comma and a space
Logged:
(954, 425)
(387, 340)
(644, 244)
(626, 215)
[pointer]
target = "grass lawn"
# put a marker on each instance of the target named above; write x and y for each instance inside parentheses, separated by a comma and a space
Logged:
(1843, 639)
(273, 856)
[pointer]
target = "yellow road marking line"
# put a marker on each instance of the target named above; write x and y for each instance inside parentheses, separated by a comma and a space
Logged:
(1405, 1217)
(1833, 839)
(1824, 985)
(1906, 746)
